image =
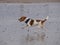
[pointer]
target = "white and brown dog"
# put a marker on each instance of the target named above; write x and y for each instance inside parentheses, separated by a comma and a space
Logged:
(31, 22)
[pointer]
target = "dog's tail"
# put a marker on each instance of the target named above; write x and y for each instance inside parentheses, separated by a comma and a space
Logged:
(46, 19)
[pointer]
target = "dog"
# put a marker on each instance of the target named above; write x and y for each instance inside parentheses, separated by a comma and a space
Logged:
(33, 22)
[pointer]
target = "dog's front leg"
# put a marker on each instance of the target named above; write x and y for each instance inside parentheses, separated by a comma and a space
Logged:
(25, 27)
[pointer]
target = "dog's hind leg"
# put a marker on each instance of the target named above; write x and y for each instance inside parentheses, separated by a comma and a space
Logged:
(45, 28)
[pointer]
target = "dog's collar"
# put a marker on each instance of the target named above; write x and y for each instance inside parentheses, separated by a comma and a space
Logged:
(27, 20)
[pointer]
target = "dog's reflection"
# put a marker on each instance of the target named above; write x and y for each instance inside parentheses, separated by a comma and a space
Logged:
(36, 37)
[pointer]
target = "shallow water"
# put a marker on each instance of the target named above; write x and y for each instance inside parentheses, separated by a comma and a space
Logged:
(11, 32)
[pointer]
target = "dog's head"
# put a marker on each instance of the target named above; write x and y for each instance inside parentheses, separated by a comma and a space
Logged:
(22, 18)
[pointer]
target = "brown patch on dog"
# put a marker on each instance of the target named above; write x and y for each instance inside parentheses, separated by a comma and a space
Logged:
(43, 21)
(31, 22)
(38, 20)
(22, 18)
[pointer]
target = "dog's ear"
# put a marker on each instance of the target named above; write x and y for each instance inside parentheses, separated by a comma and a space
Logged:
(22, 18)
